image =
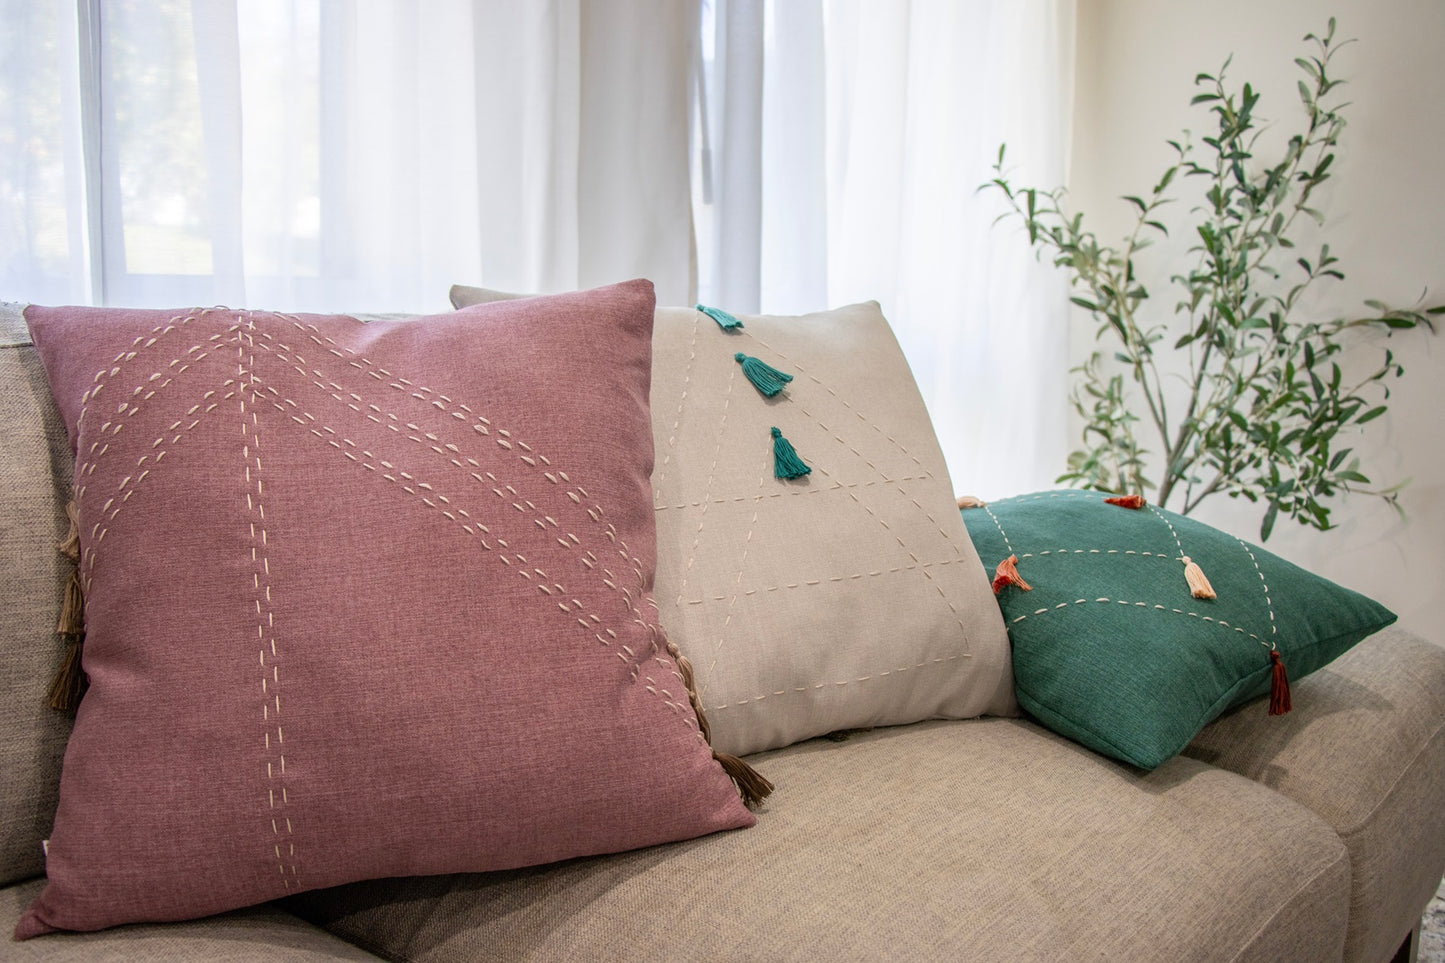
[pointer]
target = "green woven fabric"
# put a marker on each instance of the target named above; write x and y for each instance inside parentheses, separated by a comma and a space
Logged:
(1111, 648)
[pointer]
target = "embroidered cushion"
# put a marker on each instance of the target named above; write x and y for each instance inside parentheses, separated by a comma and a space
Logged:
(1113, 649)
(847, 597)
(362, 600)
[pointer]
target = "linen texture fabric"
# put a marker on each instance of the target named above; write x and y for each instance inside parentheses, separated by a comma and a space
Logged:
(35, 465)
(848, 598)
(1364, 748)
(995, 840)
(362, 600)
(1112, 649)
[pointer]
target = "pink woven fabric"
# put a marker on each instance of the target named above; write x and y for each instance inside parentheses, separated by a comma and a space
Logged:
(362, 600)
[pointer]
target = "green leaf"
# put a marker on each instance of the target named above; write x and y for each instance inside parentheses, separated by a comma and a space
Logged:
(1371, 415)
(1267, 526)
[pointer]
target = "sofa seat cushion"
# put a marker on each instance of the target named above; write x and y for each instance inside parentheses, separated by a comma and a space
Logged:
(968, 840)
(259, 933)
(1365, 749)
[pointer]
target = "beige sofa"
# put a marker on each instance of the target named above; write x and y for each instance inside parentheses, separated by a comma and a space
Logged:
(1315, 836)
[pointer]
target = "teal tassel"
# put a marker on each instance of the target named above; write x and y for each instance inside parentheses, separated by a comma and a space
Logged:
(786, 463)
(724, 320)
(765, 377)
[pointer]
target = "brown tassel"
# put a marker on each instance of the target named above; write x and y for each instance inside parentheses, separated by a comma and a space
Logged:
(1127, 501)
(70, 548)
(1199, 586)
(753, 787)
(1007, 574)
(684, 668)
(1279, 701)
(72, 609)
(69, 683)
(969, 501)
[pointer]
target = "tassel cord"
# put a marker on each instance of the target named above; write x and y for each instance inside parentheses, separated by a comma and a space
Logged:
(724, 320)
(751, 784)
(764, 377)
(786, 463)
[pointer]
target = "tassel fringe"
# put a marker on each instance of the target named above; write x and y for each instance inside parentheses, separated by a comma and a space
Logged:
(1126, 501)
(69, 683)
(786, 463)
(969, 501)
(752, 786)
(70, 548)
(724, 320)
(1279, 700)
(765, 377)
(1199, 585)
(72, 610)
(1007, 574)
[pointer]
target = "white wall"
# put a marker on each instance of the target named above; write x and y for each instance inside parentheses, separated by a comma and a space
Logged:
(1386, 221)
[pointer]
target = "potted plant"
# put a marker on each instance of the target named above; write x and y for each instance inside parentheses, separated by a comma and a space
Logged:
(1266, 408)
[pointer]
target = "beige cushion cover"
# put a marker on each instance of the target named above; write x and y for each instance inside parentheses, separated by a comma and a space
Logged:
(849, 598)
(1365, 749)
(35, 469)
(977, 840)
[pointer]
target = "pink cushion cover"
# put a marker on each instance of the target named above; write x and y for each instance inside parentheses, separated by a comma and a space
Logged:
(362, 600)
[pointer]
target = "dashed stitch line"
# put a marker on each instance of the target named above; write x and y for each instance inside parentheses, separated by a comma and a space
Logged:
(1046, 610)
(517, 562)
(1165, 556)
(841, 400)
(830, 580)
(1273, 627)
(105, 375)
(1008, 545)
(742, 567)
(681, 403)
(858, 454)
(509, 496)
(450, 451)
(274, 736)
(1157, 514)
(792, 491)
(1096, 496)
(707, 490)
(837, 684)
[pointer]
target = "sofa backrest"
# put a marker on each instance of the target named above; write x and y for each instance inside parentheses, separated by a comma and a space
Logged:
(35, 471)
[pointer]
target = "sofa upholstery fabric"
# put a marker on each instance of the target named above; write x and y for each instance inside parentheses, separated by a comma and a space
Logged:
(850, 597)
(260, 934)
(1365, 749)
(362, 600)
(35, 466)
(974, 840)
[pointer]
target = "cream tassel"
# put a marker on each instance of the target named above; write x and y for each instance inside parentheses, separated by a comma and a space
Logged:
(1199, 586)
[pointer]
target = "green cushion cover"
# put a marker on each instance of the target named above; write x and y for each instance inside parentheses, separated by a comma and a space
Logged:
(1110, 646)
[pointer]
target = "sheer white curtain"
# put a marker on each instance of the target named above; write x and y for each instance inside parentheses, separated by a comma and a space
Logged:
(341, 154)
(846, 140)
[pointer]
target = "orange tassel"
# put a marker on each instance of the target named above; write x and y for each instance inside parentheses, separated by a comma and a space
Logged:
(1279, 701)
(969, 501)
(1127, 501)
(1199, 586)
(1007, 574)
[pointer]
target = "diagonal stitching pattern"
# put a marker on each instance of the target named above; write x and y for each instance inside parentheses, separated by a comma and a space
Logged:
(1162, 556)
(849, 489)
(249, 385)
